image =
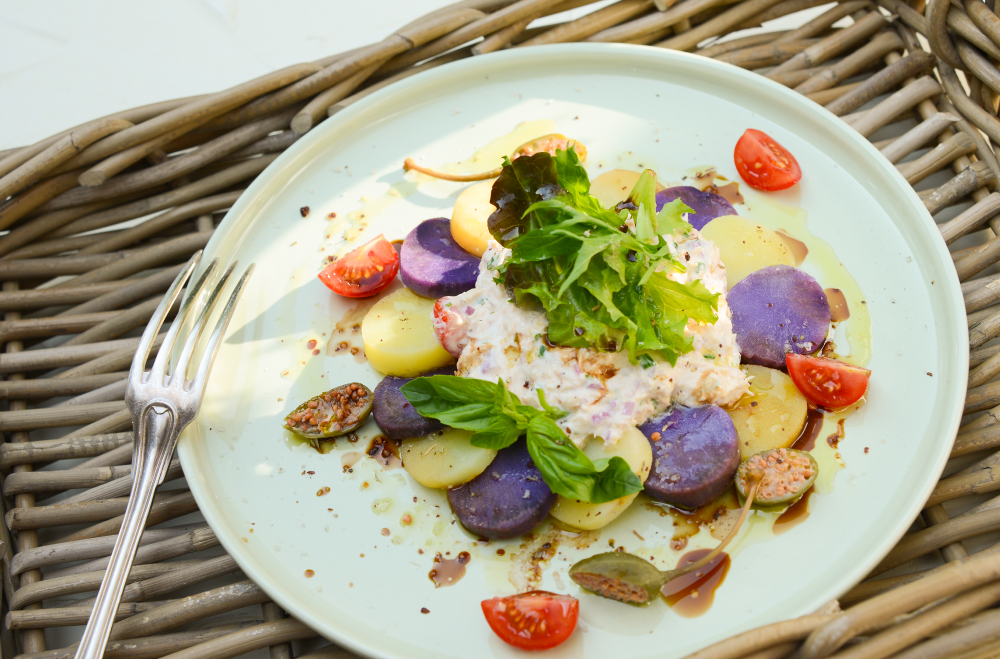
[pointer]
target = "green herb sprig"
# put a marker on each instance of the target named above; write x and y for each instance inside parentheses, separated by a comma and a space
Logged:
(600, 279)
(498, 418)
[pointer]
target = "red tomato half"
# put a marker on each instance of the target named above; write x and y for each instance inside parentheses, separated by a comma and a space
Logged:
(827, 382)
(764, 164)
(363, 272)
(537, 620)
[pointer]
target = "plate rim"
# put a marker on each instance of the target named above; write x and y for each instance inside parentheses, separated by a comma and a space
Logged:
(249, 202)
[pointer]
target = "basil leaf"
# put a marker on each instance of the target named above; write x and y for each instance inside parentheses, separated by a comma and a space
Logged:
(498, 419)
(465, 403)
(614, 480)
(569, 472)
(500, 433)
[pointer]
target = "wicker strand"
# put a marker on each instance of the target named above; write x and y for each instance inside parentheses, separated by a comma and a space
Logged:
(186, 165)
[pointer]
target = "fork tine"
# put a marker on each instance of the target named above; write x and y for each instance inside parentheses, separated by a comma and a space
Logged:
(153, 328)
(212, 349)
(180, 369)
(160, 364)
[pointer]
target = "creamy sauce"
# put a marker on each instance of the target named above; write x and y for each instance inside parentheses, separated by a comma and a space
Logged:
(602, 392)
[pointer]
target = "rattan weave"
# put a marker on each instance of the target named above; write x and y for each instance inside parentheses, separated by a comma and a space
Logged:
(920, 81)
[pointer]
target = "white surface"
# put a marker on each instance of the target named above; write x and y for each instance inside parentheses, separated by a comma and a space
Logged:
(64, 62)
(368, 588)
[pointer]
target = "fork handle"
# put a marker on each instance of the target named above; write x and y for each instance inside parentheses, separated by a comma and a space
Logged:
(148, 470)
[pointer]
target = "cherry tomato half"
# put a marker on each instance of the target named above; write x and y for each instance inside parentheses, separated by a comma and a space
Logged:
(450, 327)
(764, 164)
(537, 620)
(827, 382)
(363, 272)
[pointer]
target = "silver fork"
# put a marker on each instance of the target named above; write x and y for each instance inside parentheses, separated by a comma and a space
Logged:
(162, 404)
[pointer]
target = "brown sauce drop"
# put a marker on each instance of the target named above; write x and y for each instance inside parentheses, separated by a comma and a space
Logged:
(796, 513)
(311, 344)
(838, 304)
(834, 439)
(447, 571)
(349, 459)
(692, 594)
(385, 451)
(730, 192)
(704, 178)
(798, 248)
(810, 431)
(688, 523)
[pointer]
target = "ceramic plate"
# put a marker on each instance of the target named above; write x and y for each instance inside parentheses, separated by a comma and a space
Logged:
(342, 560)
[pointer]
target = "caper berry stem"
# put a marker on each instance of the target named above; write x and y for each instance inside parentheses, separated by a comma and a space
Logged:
(409, 165)
(756, 478)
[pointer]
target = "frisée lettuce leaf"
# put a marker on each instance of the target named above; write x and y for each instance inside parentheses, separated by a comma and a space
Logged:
(599, 273)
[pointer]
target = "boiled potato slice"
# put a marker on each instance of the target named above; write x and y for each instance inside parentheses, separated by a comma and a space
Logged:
(634, 448)
(399, 338)
(613, 187)
(745, 246)
(445, 458)
(773, 416)
(468, 219)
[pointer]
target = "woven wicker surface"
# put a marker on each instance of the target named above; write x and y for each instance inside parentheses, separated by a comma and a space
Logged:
(921, 82)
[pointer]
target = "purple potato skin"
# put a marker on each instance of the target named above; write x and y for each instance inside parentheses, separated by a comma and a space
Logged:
(433, 265)
(395, 416)
(493, 505)
(696, 456)
(706, 205)
(777, 310)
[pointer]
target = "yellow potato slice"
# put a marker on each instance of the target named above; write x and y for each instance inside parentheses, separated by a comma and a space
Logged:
(445, 458)
(745, 246)
(773, 416)
(468, 219)
(634, 448)
(399, 338)
(613, 187)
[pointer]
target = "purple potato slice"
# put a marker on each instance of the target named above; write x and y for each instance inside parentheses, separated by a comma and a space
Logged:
(505, 501)
(433, 265)
(706, 205)
(696, 452)
(778, 310)
(395, 416)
